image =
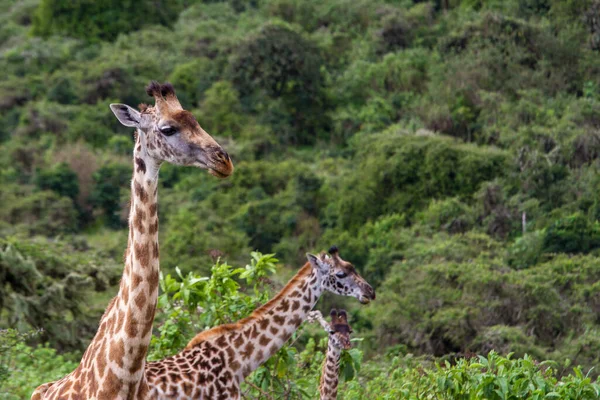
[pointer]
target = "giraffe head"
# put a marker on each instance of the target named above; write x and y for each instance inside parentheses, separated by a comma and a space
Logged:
(340, 277)
(170, 133)
(340, 330)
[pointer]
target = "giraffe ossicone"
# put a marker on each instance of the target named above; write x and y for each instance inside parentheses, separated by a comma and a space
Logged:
(113, 365)
(216, 361)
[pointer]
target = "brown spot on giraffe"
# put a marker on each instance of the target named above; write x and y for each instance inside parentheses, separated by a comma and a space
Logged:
(117, 350)
(140, 300)
(138, 218)
(142, 254)
(155, 251)
(141, 165)
(153, 228)
(140, 192)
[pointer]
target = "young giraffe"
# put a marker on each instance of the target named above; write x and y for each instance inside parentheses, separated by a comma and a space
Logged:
(216, 361)
(339, 339)
(113, 365)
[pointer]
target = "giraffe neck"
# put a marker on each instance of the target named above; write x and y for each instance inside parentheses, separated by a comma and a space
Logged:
(330, 373)
(118, 351)
(259, 336)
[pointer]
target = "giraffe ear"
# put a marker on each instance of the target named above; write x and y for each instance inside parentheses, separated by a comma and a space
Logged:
(316, 262)
(126, 115)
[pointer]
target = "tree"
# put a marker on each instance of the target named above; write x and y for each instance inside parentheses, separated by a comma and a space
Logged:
(101, 20)
(281, 64)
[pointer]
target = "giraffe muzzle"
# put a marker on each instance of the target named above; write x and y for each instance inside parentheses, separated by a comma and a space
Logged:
(220, 165)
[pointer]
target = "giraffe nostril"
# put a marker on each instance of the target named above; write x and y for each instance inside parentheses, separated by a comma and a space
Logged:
(222, 155)
(371, 292)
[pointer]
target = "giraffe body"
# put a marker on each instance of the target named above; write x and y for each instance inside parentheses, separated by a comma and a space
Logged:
(113, 365)
(215, 362)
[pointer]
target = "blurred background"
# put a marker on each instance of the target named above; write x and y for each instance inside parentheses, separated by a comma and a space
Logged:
(448, 148)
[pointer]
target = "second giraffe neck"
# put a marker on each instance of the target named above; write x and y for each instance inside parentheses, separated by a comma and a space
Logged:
(266, 330)
(330, 373)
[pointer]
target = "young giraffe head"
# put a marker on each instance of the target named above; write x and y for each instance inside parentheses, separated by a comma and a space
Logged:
(339, 333)
(169, 133)
(340, 277)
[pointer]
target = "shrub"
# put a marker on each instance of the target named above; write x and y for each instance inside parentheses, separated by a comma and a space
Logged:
(45, 287)
(44, 213)
(526, 251)
(221, 110)
(280, 63)
(23, 367)
(573, 234)
(192, 79)
(60, 178)
(450, 215)
(109, 181)
(100, 20)
(406, 172)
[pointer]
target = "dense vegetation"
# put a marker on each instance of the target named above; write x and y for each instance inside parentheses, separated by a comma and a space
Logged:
(449, 148)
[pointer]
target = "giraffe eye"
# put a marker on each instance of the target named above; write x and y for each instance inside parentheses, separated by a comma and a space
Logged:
(168, 130)
(341, 274)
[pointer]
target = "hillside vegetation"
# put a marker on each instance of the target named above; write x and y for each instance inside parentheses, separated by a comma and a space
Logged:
(450, 149)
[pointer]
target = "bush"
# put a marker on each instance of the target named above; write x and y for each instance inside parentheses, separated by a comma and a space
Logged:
(407, 171)
(109, 181)
(490, 377)
(61, 179)
(100, 20)
(573, 234)
(24, 367)
(45, 287)
(280, 63)
(44, 213)
(192, 79)
(221, 110)
(449, 215)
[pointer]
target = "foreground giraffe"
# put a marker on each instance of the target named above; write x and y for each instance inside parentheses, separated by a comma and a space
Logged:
(215, 362)
(112, 366)
(339, 339)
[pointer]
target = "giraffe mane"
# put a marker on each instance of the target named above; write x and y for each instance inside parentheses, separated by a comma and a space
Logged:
(256, 314)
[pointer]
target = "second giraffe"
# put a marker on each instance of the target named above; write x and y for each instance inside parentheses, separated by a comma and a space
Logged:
(215, 362)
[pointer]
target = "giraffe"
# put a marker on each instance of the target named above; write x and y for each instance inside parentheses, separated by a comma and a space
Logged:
(112, 367)
(216, 361)
(339, 339)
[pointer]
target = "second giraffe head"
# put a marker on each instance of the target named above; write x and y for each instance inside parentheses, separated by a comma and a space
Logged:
(167, 132)
(340, 277)
(340, 330)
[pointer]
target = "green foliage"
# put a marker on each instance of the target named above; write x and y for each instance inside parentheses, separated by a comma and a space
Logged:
(280, 63)
(60, 179)
(482, 377)
(22, 366)
(192, 79)
(100, 20)
(109, 180)
(192, 303)
(408, 171)
(42, 213)
(573, 234)
(45, 287)
(221, 110)
(449, 148)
